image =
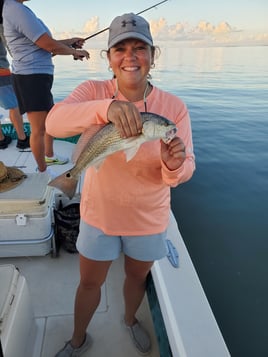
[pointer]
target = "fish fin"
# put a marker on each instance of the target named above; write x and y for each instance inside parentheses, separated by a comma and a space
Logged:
(132, 151)
(65, 183)
(84, 138)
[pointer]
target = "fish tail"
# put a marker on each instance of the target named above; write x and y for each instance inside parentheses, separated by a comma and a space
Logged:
(65, 183)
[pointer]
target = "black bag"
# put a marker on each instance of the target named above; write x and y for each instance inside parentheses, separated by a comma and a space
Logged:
(67, 220)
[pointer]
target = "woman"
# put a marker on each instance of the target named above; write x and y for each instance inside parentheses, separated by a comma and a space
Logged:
(124, 203)
(32, 47)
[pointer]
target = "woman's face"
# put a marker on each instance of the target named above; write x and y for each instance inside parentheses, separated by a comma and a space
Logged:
(131, 61)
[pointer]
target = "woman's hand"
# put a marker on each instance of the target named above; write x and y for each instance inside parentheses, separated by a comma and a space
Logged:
(126, 118)
(173, 153)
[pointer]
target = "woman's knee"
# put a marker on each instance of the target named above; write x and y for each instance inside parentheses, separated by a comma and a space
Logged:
(137, 270)
(93, 273)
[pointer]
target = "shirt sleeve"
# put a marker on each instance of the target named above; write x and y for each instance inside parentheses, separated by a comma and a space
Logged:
(77, 112)
(185, 172)
(28, 24)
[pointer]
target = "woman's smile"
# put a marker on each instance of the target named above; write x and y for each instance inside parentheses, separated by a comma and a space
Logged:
(130, 69)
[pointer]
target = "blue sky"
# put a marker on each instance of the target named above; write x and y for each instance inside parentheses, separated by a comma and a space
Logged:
(191, 21)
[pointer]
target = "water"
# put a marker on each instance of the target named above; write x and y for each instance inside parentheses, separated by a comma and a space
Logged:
(222, 211)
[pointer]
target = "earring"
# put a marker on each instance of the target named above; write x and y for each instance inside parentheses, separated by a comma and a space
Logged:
(110, 69)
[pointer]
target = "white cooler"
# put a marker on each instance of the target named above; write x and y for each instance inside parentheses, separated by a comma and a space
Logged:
(17, 324)
(26, 218)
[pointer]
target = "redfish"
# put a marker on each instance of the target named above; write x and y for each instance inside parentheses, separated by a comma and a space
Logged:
(107, 141)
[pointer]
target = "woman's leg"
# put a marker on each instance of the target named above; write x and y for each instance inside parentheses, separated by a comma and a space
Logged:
(37, 139)
(134, 286)
(49, 145)
(17, 121)
(92, 275)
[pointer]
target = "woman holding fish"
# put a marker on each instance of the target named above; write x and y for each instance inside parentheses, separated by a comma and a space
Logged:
(125, 203)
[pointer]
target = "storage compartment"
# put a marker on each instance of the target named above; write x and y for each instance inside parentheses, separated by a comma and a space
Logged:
(17, 323)
(26, 218)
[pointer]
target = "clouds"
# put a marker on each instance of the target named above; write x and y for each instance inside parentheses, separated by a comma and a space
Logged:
(207, 27)
(161, 30)
(204, 30)
(92, 25)
(203, 33)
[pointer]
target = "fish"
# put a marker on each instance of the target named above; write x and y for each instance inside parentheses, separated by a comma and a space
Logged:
(92, 151)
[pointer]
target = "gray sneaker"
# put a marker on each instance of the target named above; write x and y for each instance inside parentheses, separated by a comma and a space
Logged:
(69, 351)
(140, 338)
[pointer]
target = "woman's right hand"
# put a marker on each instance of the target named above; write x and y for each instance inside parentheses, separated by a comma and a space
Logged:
(126, 118)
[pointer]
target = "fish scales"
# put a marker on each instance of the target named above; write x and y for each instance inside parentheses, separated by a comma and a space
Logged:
(99, 144)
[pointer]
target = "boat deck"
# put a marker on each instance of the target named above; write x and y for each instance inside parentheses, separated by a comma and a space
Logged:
(52, 284)
(191, 328)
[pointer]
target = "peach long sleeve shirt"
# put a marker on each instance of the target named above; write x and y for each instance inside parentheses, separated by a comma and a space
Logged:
(125, 198)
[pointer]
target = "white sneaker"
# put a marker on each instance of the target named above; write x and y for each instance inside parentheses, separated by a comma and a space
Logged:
(49, 172)
(56, 160)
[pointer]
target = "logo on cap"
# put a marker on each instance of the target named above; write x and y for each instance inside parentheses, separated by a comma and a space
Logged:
(124, 23)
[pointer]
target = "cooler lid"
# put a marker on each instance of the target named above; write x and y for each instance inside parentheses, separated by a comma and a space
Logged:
(33, 195)
(31, 189)
(9, 276)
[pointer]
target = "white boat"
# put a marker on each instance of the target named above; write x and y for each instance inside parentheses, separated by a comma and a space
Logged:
(175, 310)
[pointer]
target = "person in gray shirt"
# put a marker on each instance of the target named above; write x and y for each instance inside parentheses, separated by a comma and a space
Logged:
(32, 46)
(8, 100)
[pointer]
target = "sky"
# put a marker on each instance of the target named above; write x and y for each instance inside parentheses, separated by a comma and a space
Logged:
(192, 22)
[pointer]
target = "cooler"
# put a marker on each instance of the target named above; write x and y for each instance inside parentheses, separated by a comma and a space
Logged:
(26, 218)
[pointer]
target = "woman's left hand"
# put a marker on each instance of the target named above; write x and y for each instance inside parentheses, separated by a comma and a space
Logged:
(173, 153)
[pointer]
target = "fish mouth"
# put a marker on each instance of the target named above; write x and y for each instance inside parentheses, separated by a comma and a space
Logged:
(170, 134)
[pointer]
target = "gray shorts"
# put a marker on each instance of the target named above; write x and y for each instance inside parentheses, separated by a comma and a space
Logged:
(93, 244)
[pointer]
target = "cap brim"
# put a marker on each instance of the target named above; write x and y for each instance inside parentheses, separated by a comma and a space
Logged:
(127, 36)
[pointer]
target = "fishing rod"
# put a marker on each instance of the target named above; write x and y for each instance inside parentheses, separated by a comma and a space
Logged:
(141, 12)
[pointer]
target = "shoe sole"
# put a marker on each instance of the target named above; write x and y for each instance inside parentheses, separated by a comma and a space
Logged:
(56, 163)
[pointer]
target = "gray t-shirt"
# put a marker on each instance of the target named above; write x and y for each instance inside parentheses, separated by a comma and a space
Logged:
(21, 29)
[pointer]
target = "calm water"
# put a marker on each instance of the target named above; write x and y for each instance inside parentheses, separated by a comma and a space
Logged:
(222, 211)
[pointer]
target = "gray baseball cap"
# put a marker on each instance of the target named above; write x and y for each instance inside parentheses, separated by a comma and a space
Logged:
(129, 26)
